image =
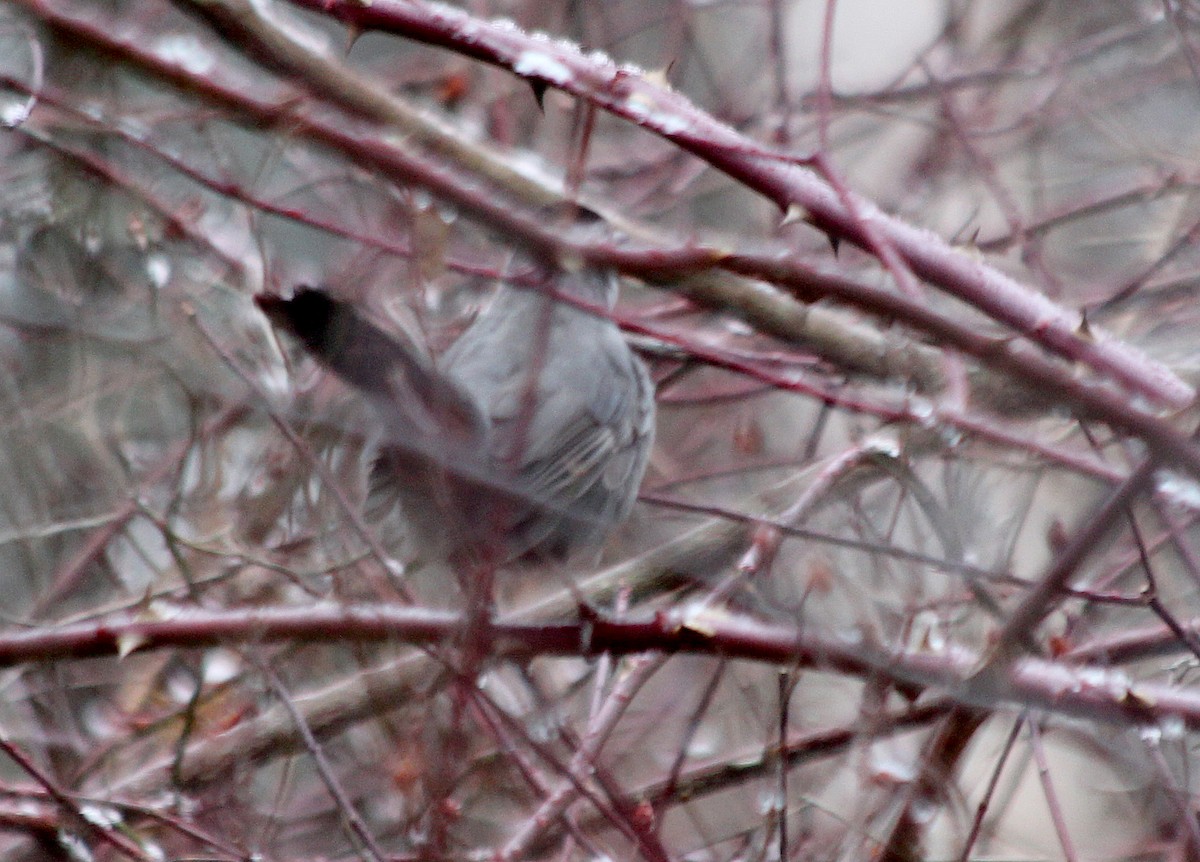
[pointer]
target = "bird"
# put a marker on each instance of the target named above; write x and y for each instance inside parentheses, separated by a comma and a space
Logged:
(527, 439)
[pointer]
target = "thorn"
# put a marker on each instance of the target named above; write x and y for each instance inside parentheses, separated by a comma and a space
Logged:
(716, 254)
(793, 214)
(661, 77)
(539, 92)
(1084, 330)
(127, 643)
(835, 242)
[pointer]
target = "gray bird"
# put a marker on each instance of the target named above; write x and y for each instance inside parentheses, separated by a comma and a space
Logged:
(528, 438)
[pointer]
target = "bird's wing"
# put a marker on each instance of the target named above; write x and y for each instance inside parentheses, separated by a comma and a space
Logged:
(587, 439)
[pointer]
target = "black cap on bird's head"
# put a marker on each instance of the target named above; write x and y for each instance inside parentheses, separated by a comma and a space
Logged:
(309, 315)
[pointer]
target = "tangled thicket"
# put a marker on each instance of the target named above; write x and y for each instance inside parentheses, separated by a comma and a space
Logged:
(914, 570)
